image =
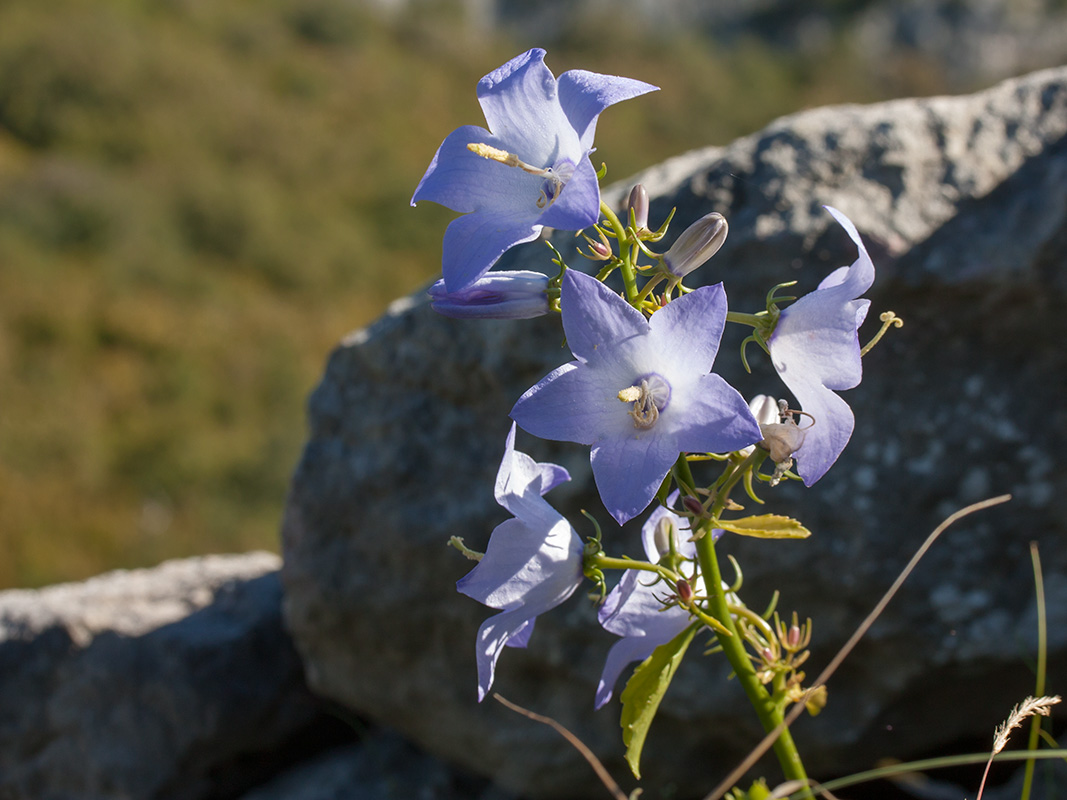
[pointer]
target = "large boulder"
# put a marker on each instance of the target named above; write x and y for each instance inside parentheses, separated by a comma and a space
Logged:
(175, 682)
(963, 204)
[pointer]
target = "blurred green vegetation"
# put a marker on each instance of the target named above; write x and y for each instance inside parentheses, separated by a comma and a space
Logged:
(198, 198)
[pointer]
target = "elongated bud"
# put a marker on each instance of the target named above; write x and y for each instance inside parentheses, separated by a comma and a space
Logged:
(519, 294)
(662, 535)
(638, 203)
(699, 242)
(692, 505)
(685, 591)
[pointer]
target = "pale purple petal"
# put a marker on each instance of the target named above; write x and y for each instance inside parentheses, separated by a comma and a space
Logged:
(715, 418)
(567, 405)
(825, 440)
(594, 316)
(494, 634)
(693, 324)
(462, 181)
(520, 480)
(474, 242)
(584, 95)
(861, 273)
(521, 105)
(629, 471)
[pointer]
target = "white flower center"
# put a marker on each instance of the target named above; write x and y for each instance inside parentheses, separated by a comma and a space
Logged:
(650, 395)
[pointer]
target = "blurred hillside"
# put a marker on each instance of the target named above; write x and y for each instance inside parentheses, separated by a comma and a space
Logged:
(198, 198)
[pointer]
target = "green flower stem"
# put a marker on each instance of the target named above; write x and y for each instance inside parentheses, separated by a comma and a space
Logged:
(607, 562)
(752, 320)
(770, 715)
(626, 264)
(769, 712)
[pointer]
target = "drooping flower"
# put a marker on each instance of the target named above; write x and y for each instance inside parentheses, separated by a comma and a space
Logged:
(532, 564)
(530, 169)
(520, 294)
(815, 349)
(765, 409)
(635, 608)
(660, 370)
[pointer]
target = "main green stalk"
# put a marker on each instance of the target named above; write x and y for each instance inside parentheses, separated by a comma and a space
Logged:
(770, 713)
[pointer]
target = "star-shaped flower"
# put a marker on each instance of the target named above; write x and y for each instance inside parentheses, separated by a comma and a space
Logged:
(635, 608)
(532, 564)
(815, 349)
(530, 169)
(660, 371)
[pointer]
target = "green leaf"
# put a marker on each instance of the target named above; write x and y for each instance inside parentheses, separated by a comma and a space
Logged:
(645, 690)
(765, 526)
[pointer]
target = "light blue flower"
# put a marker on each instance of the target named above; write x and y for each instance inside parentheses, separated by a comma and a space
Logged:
(640, 391)
(520, 294)
(532, 564)
(815, 350)
(546, 127)
(635, 608)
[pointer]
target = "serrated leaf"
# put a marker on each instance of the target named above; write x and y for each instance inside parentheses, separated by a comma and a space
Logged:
(645, 690)
(765, 526)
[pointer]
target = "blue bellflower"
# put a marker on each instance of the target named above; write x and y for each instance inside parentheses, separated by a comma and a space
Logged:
(816, 352)
(532, 564)
(640, 391)
(519, 294)
(530, 169)
(635, 610)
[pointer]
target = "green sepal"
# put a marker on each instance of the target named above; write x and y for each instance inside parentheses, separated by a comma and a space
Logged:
(765, 526)
(645, 690)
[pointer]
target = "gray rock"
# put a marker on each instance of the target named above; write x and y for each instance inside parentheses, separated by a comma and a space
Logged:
(144, 684)
(382, 766)
(963, 204)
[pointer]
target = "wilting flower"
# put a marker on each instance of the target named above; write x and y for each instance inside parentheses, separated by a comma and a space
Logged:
(635, 608)
(815, 349)
(765, 409)
(519, 294)
(530, 169)
(699, 242)
(640, 391)
(532, 564)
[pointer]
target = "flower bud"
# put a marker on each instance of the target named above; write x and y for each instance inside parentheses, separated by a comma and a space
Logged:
(664, 532)
(792, 639)
(638, 203)
(685, 591)
(699, 242)
(692, 505)
(519, 294)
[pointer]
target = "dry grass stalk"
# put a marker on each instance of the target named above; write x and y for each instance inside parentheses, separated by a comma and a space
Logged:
(1024, 710)
(1029, 707)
